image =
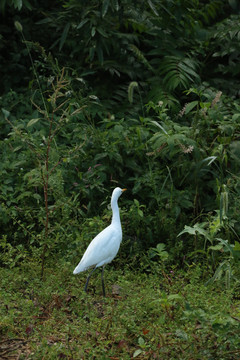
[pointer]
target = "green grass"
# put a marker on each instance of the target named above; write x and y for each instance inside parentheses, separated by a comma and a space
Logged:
(143, 316)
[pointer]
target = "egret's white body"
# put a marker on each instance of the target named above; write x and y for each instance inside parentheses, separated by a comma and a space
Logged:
(104, 247)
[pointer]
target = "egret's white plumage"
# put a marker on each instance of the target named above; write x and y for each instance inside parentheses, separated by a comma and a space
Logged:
(104, 247)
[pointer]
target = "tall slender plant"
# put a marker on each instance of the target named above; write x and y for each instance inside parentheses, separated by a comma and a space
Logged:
(55, 109)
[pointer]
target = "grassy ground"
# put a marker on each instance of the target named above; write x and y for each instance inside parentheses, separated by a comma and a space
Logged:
(143, 316)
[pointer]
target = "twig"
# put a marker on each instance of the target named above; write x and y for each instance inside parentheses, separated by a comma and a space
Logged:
(235, 318)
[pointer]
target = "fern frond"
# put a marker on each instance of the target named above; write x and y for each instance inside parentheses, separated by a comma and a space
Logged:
(179, 72)
(211, 10)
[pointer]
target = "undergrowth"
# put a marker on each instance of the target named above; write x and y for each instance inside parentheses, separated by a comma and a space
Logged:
(174, 316)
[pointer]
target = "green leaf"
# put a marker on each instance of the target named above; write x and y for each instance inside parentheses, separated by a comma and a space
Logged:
(153, 7)
(137, 352)
(211, 159)
(102, 32)
(37, 197)
(6, 113)
(160, 247)
(17, 148)
(83, 22)
(115, 5)
(160, 126)
(216, 247)
(93, 31)
(190, 106)
(194, 230)
(226, 245)
(32, 122)
(24, 195)
(218, 273)
(18, 4)
(105, 6)
(140, 213)
(44, 21)
(64, 35)
(188, 229)
(236, 117)
(182, 334)
(174, 297)
(236, 246)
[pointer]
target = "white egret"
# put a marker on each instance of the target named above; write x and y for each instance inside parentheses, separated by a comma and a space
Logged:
(104, 247)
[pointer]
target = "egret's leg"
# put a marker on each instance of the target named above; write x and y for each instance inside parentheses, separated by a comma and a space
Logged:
(103, 287)
(86, 285)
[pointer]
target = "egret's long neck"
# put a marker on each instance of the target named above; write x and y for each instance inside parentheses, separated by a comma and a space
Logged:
(115, 212)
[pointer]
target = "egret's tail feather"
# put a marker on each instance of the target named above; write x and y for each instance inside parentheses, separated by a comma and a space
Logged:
(78, 269)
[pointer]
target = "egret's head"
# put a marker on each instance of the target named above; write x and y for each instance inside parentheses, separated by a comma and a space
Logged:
(117, 192)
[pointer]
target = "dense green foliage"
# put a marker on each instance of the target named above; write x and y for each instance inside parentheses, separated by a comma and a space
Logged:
(139, 104)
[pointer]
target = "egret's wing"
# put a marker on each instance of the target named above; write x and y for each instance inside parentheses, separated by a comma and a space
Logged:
(102, 249)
